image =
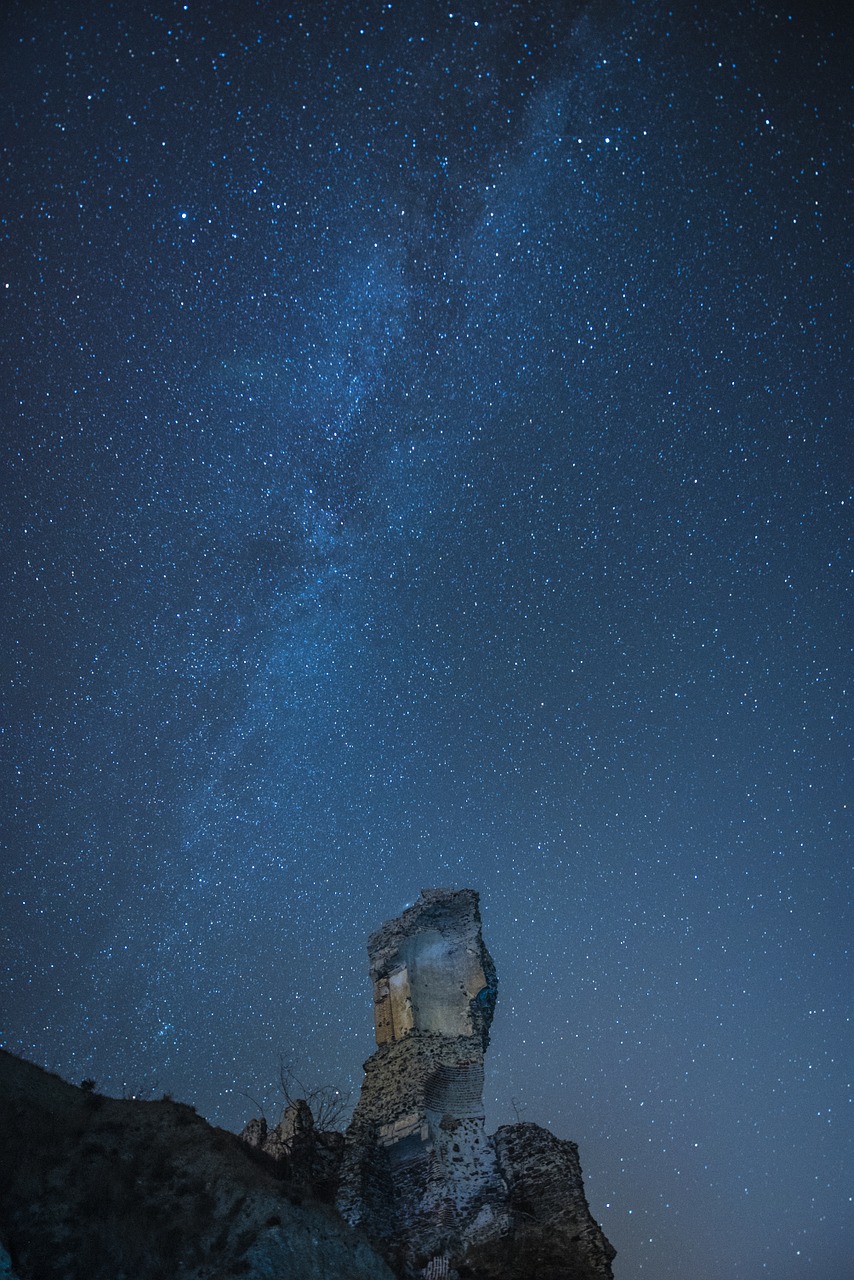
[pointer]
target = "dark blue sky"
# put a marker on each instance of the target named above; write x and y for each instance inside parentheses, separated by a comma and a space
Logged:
(425, 462)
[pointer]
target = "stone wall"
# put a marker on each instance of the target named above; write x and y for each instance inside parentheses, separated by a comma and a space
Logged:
(420, 1176)
(429, 967)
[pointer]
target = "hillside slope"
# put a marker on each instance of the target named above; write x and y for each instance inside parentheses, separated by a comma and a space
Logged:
(95, 1188)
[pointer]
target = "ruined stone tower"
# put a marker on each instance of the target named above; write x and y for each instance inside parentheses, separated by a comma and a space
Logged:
(420, 1176)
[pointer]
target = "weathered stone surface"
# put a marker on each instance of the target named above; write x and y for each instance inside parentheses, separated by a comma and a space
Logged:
(417, 1163)
(435, 1194)
(552, 1234)
(255, 1133)
(431, 971)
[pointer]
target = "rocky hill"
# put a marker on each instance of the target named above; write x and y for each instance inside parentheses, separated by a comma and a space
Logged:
(95, 1188)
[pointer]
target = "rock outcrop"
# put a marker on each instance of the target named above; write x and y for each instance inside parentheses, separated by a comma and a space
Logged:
(435, 1194)
(307, 1159)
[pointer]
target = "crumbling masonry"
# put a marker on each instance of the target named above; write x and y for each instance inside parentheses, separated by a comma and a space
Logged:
(434, 1193)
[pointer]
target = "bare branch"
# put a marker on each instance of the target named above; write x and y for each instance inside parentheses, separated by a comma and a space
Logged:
(254, 1102)
(330, 1107)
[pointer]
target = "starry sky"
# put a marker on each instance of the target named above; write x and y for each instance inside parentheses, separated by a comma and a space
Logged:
(425, 463)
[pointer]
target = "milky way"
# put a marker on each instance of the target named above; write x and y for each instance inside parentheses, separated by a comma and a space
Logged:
(425, 463)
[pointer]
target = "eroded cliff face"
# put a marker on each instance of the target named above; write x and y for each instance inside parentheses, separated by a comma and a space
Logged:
(436, 1194)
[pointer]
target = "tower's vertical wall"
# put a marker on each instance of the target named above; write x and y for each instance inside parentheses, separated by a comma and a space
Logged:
(420, 1175)
(419, 1121)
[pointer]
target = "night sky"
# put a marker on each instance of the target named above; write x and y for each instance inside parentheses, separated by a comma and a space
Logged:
(426, 463)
